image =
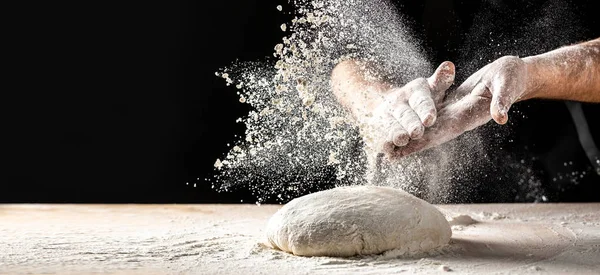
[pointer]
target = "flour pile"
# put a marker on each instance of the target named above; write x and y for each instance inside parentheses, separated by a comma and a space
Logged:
(299, 139)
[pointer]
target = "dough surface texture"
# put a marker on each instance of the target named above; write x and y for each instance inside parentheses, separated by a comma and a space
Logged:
(357, 220)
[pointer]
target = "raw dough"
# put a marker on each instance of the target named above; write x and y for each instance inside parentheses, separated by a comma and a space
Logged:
(359, 220)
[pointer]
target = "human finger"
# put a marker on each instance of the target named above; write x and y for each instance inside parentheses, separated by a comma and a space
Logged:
(398, 135)
(467, 87)
(423, 105)
(499, 108)
(453, 120)
(442, 79)
(504, 88)
(411, 122)
(387, 133)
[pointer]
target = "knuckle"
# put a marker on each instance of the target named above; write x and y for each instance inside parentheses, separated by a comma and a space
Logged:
(421, 101)
(510, 61)
(402, 113)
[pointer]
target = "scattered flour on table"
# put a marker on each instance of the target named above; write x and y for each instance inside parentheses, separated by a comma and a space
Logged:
(460, 222)
(463, 220)
(492, 216)
(226, 239)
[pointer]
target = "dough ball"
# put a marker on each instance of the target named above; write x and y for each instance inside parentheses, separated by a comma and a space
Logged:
(358, 220)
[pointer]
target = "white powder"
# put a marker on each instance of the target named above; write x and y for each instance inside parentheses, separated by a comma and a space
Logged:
(299, 139)
(461, 220)
(226, 239)
(298, 136)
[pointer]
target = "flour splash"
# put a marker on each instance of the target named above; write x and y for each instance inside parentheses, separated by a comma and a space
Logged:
(298, 137)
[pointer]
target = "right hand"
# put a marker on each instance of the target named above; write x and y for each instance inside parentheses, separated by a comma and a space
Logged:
(406, 111)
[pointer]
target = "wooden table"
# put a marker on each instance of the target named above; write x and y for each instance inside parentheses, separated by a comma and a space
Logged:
(227, 239)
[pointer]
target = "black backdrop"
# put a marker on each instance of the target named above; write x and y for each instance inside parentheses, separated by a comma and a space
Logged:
(118, 102)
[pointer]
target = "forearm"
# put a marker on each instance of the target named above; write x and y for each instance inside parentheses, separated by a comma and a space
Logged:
(568, 73)
(355, 90)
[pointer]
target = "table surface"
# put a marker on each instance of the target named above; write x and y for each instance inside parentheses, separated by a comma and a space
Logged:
(229, 239)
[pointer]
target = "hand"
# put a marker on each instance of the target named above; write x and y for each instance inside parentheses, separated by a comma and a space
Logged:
(406, 111)
(487, 94)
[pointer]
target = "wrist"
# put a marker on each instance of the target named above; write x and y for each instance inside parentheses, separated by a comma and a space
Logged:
(531, 72)
(533, 79)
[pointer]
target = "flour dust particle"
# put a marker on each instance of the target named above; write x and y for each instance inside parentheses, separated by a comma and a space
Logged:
(298, 139)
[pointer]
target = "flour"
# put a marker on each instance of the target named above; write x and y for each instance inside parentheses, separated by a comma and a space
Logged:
(492, 216)
(227, 239)
(360, 220)
(298, 138)
(445, 268)
(462, 220)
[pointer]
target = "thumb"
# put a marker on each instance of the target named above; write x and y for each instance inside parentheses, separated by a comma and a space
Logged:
(499, 108)
(442, 78)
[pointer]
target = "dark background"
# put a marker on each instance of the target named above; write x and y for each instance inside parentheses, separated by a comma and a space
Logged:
(118, 102)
